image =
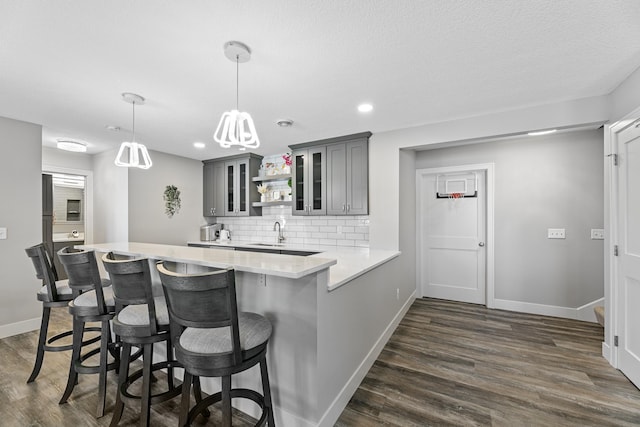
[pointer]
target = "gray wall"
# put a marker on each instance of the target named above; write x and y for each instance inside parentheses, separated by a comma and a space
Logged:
(110, 199)
(545, 182)
(21, 214)
(66, 159)
(147, 220)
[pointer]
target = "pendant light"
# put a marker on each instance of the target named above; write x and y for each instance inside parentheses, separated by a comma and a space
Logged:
(133, 154)
(236, 127)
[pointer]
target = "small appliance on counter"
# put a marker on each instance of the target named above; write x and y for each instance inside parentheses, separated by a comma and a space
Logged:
(210, 232)
(225, 235)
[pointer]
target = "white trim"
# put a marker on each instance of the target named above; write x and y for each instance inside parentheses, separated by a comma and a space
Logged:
(88, 195)
(489, 169)
(21, 327)
(338, 405)
(579, 313)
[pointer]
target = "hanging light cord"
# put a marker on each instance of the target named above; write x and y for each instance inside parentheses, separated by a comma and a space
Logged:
(237, 82)
(133, 104)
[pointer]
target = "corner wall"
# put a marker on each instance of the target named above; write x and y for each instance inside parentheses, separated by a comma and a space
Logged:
(21, 214)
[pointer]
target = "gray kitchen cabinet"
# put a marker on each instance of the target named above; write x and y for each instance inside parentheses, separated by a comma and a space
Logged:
(331, 176)
(308, 190)
(213, 188)
(227, 186)
(348, 178)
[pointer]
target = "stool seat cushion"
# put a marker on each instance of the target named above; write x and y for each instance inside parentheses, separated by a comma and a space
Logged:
(62, 286)
(254, 331)
(88, 299)
(138, 315)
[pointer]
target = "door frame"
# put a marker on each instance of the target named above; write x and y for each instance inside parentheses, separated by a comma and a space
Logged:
(88, 195)
(489, 170)
(612, 238)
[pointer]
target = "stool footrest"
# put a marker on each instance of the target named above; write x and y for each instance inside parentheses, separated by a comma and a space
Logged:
(49, 347)
(243, 393)
(158, 397)
(91, 369)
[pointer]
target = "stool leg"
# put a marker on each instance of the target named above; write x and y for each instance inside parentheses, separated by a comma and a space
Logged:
(78, 330)
(266, 391)
(145, 403)
(122, 378)
(169, 345)
(105, 335)
(197, 393)
(226, 400)
(42, 339)
(184, 404)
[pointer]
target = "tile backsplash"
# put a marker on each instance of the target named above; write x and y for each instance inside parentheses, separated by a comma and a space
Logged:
(302, 230)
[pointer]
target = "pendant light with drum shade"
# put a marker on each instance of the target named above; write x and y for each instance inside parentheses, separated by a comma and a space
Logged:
(133, 154)
(236, 127)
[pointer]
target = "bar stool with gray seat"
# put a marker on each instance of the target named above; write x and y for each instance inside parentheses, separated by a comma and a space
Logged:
(213, 340)
(54, 293)
(93, 302)
(141, 320)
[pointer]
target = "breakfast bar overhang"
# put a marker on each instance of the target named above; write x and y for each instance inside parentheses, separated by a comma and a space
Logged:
(327, 332)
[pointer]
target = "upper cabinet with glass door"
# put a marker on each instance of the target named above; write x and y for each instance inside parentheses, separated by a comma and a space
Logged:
(227, 186)
(331, 176)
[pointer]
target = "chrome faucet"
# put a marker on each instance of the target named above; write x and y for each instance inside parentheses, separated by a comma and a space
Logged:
(279, 227)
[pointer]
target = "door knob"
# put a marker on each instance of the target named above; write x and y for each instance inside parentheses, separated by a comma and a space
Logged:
(481, 244)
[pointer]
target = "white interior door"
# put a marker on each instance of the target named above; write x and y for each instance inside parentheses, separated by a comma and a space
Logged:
(452, 249)
(628, 265)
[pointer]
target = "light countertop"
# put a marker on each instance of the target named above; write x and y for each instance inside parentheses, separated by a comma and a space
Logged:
(350, 262)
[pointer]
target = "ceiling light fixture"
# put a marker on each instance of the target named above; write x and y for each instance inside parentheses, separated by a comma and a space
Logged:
(285, 123)
(365, 108)
(71, 145)
(542, 132)
(132, 154)
(199, 144)
(236, 127)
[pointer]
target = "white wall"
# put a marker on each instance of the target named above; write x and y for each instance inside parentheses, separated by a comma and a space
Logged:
(553, 181)
(626, 97)
(21, 214)
(147, 219)
(110, 199)
(66, 159)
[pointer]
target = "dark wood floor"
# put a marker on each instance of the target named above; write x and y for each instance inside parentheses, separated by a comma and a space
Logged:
(446, 364)
(461, 364)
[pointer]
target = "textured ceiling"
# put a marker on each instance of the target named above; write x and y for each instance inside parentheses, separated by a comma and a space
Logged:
(64, 64)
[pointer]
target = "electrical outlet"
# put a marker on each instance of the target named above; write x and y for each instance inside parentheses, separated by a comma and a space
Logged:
(3, 233)
(597, 234)
(555, 233)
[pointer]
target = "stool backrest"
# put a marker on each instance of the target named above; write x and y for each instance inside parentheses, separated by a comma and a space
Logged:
(83, 274)
(203, 300)
(131, 282)
(44, 269)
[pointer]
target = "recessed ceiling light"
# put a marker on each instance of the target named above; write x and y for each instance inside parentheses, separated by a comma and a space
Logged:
(71, 145)
(285, 123)
(199, 144)
(542, 132)
(365, 108)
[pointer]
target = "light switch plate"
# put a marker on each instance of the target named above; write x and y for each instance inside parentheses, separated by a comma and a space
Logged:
(597, 234)
(3, 233)
(555, 233)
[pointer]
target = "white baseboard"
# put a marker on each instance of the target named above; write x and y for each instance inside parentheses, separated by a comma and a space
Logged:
(336, 408)
(606, 353)
(584, 312)
(20, 327)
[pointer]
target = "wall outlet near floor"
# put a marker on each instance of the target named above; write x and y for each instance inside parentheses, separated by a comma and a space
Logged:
(597, 234)
(555, 233)
(3, 233)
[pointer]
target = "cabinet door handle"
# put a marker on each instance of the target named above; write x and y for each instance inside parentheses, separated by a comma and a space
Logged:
(344, 208)
(348, 207)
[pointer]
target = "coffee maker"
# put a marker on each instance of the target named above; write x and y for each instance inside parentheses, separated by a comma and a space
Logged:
(210, 232)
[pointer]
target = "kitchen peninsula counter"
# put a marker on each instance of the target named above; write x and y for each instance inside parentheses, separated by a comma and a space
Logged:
(332, 312)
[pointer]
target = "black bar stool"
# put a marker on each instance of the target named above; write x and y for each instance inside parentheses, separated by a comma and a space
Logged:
(213, 340)
(141, 321)
(93, 302)
(54, 293)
